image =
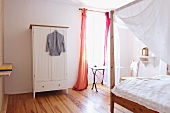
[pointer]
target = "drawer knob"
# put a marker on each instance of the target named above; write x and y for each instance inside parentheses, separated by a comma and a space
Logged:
(58, 84)
(42, 86)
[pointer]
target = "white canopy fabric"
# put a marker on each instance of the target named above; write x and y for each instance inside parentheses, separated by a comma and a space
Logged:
(149, 20)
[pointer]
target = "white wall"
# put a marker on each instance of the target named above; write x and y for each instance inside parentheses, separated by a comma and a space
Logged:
(146, 69)
(131, 49)
(126, 51)
(19, 14)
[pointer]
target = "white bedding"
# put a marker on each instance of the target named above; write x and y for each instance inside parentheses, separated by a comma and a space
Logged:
(151, 93)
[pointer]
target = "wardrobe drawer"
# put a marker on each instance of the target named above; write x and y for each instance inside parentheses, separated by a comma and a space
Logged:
(51, 85)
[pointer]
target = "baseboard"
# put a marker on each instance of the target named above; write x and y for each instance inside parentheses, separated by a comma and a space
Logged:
(10, 92)
(4, 104)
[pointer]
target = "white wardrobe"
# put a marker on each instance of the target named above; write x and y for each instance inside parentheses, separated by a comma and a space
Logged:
(49, 72)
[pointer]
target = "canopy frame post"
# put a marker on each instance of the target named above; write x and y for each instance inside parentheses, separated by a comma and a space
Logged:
(112, 65)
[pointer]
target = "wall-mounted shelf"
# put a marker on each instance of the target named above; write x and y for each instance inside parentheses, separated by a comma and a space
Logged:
(147, 59)
(6, 69)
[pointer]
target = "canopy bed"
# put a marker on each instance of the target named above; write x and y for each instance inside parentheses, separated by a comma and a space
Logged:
(144, 95)
(130, 105)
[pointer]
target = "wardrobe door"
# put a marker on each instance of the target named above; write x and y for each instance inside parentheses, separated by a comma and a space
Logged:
(58, 63)
(40, 56)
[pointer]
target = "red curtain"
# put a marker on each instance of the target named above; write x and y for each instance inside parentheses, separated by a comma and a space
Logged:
(106, 37)
(82, 80)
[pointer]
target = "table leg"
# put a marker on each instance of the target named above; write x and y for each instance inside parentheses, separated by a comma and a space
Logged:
(102, 82)
(96, 87)
(94, 73)
(102, 78)
(94, 81)
(92, 86)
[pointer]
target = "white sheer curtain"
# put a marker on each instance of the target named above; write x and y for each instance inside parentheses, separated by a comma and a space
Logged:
(162, 68)
(149, 20)
(117, 53)
(117, 23)
(107, 72)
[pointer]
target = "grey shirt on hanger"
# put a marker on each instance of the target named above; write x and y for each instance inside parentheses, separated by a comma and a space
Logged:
(55, 43)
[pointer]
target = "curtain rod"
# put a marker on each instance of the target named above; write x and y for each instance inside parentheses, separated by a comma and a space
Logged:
(93, 10)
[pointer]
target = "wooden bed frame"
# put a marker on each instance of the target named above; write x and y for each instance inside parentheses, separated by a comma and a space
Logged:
(132, 106)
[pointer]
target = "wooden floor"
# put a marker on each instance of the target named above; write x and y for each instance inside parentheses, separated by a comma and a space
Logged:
(86, 101)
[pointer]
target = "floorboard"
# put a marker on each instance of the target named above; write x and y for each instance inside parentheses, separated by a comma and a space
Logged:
(86, 101)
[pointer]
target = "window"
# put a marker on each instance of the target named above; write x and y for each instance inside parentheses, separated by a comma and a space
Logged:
(95, 35)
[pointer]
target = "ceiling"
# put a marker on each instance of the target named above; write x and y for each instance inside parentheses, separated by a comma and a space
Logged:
(99, 4)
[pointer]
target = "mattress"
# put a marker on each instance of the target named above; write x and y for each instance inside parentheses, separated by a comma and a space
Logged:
(153, 93)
